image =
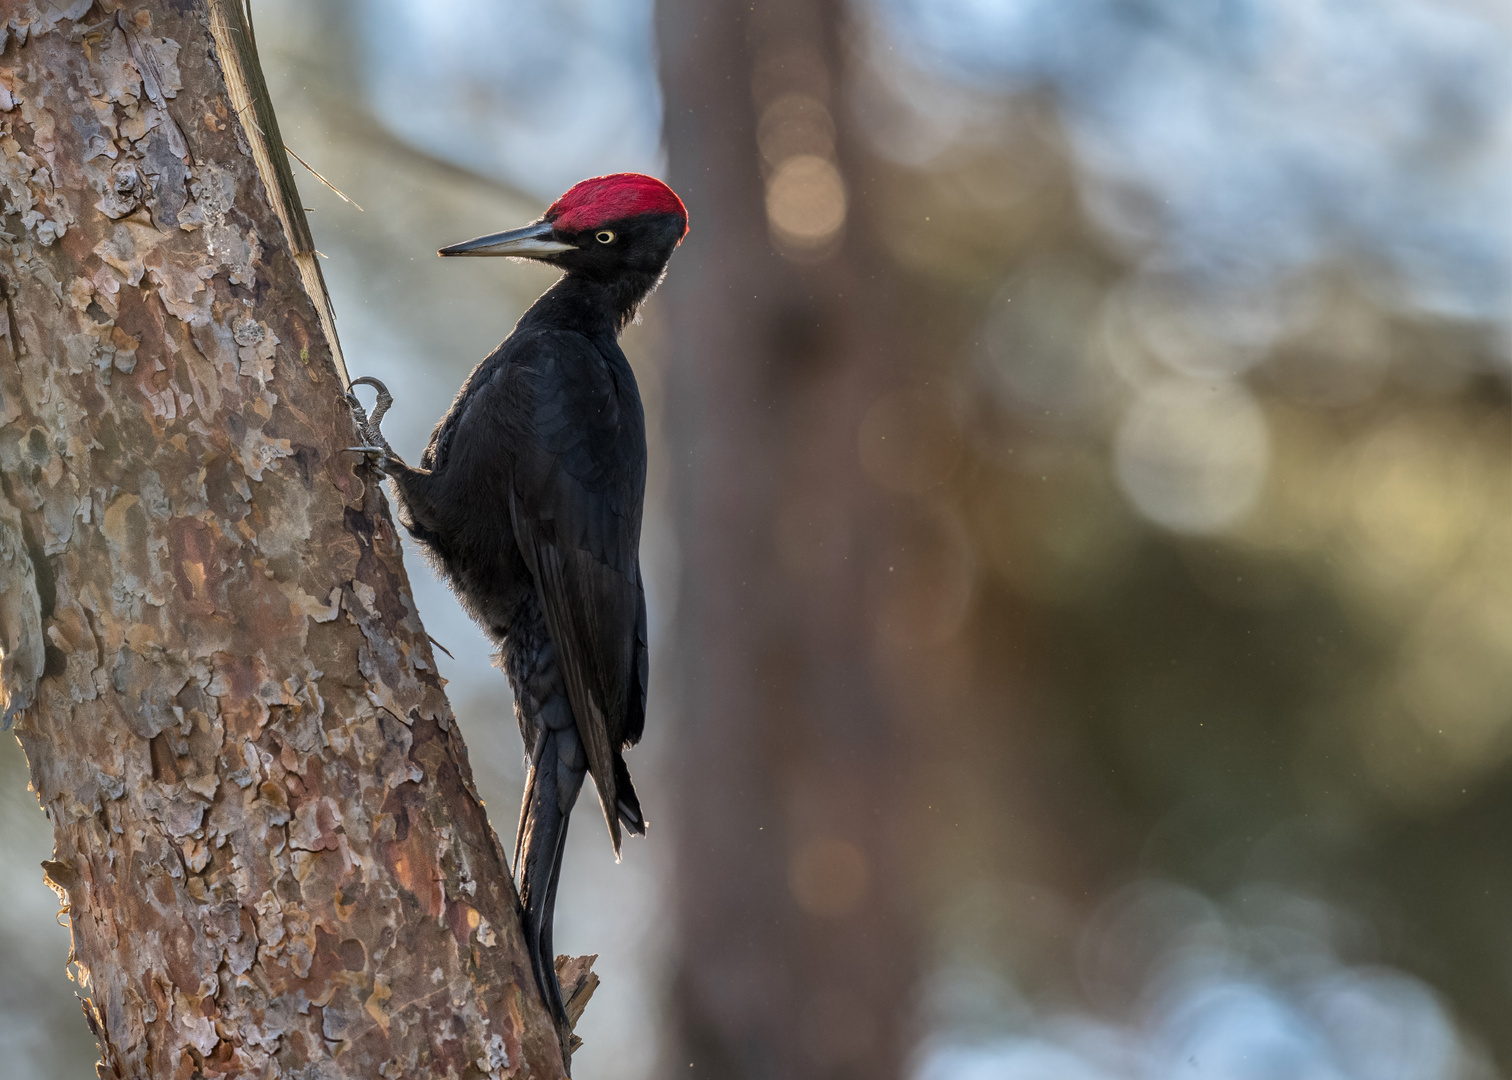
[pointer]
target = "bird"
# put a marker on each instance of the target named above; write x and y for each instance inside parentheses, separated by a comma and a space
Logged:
(528, 502)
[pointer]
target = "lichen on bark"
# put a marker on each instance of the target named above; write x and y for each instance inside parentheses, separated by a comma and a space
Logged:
(267, 839)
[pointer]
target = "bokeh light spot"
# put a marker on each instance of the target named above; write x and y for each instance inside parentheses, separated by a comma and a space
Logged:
(1413, 503)
(806, 202)
(795, 124)
(1036, 341)
(1191, 455)
(827, 876)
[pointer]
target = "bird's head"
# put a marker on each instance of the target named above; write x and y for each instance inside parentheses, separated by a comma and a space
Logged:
(604, 227)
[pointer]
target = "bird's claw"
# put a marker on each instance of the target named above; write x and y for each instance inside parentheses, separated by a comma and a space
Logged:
(377, 456)
(359, 414)
(382, 405)
(377, 449)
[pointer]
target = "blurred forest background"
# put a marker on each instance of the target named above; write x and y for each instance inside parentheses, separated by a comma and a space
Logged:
(1081, 518)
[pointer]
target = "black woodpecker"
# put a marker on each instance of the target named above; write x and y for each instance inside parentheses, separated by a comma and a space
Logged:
(528, 501)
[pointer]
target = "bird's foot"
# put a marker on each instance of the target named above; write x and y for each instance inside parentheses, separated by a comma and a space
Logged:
(377, 450)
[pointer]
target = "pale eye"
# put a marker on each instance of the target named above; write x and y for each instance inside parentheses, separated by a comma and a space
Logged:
(604, 236)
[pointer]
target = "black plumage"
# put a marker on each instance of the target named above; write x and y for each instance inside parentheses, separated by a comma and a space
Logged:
(528, 500)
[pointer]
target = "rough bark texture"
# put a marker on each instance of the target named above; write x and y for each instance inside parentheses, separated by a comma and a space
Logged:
(796, 953)
(273, 858)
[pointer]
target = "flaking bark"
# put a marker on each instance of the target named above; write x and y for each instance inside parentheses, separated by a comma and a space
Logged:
(267, 838)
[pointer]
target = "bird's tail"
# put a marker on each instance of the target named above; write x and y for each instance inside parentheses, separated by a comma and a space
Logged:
(557, 767)
(627, 806)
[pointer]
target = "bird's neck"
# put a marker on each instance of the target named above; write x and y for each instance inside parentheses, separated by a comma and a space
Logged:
(592, 305)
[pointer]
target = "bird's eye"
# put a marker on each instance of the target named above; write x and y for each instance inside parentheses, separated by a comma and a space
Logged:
(604, 236)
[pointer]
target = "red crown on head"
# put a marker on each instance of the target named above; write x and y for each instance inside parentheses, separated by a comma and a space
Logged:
(601, 199)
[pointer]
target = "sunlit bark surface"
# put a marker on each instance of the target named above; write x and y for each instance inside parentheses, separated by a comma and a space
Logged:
(267, 838)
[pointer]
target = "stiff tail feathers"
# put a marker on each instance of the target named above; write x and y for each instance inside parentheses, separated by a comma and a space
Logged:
(556, 777)
(627, 806)
(557, 770)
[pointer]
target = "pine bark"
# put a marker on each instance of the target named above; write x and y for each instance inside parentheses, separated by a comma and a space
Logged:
(268, 843)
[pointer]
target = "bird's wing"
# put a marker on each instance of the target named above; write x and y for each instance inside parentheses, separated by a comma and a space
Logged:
(575, 503)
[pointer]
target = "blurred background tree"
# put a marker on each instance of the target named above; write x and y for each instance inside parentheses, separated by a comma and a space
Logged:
(1081, 599)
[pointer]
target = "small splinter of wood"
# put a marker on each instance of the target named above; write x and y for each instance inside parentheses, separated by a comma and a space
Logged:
(322, 179)
(578, 982)
(440, 646)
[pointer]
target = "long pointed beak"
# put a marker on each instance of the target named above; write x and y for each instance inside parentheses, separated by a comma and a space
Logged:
(532, 242)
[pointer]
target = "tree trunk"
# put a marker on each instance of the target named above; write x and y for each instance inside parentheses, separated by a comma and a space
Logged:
(267, 838)
(796, 948)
